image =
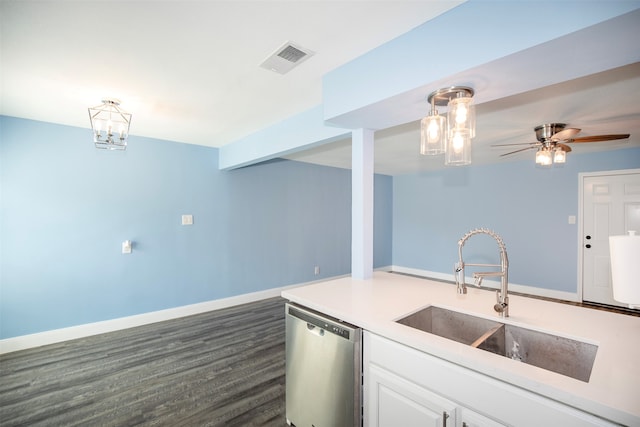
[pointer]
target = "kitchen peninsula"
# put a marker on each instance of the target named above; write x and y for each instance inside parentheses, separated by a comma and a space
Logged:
(476, 382)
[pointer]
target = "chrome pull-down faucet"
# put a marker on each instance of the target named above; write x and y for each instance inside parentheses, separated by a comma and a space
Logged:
(502, 295)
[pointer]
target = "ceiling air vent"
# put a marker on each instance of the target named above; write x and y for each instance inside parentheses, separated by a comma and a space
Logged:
(286, 58)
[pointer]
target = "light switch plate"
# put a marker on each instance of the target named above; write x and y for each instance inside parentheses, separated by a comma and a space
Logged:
(572, 219)
(187, 219)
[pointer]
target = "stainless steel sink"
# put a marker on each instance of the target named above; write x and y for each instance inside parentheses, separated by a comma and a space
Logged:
(547, 351)
(551, 352)
(449, 324)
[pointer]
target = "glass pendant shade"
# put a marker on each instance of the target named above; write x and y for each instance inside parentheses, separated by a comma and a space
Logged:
(432, 134)
(462, 115)
(559, 155)
(458, 149)
(543, 157)
(110, 125)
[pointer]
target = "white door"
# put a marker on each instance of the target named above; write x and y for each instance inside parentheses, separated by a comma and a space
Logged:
(610, 207)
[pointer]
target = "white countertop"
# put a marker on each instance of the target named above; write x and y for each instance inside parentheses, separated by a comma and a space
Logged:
(375, 304)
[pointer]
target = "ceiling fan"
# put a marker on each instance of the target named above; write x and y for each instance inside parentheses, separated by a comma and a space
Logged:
(552, 142)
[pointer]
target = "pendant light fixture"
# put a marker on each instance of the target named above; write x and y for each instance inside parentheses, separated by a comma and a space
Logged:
(454, 139)
(432, 132)
(110, 125)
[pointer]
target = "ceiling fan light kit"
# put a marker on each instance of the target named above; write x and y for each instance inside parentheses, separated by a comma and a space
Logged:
(543, 157)
(559, 155)
(552, 143)
(451, 135)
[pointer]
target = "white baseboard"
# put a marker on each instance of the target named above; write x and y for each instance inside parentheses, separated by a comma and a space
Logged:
(514, 287)
(23, 342)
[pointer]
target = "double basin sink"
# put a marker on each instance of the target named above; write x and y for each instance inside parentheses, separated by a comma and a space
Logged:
(547, 351)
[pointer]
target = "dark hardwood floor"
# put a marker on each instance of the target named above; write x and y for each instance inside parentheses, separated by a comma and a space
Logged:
(222, 368)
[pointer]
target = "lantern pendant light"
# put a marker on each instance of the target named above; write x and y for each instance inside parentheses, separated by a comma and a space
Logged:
(110, 125)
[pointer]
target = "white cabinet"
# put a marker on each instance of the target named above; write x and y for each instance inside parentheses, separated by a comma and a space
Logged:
(403, 386)
(473, 419)
(395, 401)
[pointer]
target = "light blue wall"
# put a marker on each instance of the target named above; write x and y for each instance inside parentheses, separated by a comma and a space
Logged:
(382, 220)
(527, 206)
(66, 207)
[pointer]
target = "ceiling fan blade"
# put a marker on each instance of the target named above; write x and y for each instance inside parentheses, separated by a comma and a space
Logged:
(597, 138)
(565, 147)
(517, 151)
(565, 134)
(515, 144)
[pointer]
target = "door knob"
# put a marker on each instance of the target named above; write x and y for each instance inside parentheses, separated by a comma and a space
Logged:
(587, 246)
(588, 237)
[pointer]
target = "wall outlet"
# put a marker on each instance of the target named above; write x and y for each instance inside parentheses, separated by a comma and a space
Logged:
(126, 247)
(187, 219)
(316, 270)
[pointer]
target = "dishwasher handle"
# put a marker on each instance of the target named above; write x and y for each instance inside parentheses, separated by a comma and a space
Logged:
(313, 329)
(324, 323)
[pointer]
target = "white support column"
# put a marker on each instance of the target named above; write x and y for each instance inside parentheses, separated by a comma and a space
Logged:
(362, 203)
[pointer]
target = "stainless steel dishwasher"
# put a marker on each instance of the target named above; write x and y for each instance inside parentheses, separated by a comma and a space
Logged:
(323, 370)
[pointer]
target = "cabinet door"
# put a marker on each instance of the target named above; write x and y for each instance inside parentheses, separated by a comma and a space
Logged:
(473, 419)
(394, 401)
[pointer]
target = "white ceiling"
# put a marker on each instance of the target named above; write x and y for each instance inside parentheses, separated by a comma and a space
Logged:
(189, 72)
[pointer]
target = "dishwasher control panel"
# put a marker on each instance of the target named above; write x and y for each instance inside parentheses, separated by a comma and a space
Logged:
(334, 326)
